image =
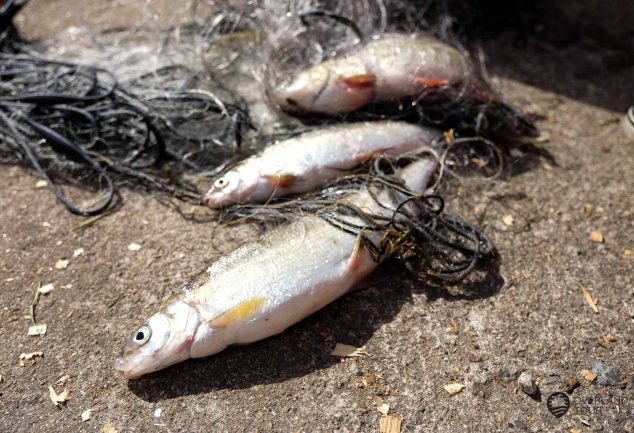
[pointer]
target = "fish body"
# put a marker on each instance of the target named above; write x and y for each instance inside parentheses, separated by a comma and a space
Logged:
(300, 164)
(263, 287)
(391, 68)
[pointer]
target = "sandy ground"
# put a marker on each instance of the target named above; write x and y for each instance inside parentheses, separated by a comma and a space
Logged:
(529, 316)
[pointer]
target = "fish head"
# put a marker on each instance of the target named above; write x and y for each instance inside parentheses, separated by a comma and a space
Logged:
(233, 186)
(165, 339)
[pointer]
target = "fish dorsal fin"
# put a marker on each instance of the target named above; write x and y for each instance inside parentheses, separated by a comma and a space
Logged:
(239, 313)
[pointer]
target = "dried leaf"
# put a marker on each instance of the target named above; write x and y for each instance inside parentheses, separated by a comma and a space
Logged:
(588, 375)
(134, 247)
(109, 428)
(390, 424)
(45, 289)
(345, 350)
(29, 357)
(454, 388)
(56, 398)
(37, 330)
(508, 220)
(78, 252)
(62, 264)
(591, 302)
(384, 409)
(85, 415)
(596, 236)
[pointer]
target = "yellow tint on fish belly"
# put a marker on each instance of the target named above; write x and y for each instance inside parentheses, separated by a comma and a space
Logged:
(239, 313)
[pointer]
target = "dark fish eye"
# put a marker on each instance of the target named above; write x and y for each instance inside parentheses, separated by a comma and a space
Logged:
(142, 335)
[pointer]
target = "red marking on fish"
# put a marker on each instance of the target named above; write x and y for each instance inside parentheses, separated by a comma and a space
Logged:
(365, 157)
(281, 181)
(432, 82)
(359, 82)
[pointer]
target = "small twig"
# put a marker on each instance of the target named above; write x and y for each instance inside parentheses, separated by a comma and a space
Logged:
(36, 298)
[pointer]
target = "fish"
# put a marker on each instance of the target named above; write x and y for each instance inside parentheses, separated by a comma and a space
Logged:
(305, 162)
(390, 68)
(263, 287)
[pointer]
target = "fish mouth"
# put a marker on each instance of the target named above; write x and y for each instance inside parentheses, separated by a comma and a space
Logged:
(124, 367)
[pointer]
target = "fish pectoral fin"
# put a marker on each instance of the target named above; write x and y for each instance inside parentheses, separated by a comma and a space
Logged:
(239, 313)
(281, 181)
(356, 258)
(360, 82)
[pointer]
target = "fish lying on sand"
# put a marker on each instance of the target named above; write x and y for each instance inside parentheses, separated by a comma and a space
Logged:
(300, 164)
(264, 287)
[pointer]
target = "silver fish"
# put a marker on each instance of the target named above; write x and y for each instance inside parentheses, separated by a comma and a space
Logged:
(300, 164)
(263, 287)
(390, 68)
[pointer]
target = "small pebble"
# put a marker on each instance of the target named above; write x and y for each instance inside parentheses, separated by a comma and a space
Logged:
(527, 384)
(356, 370)
(134, 247)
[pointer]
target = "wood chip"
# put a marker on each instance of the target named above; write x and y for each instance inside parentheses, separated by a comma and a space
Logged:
(588, 375)
(384, 409)
(591, 302)
(134, 247)
(29, 357)
(609, 338)
(62, 264)
(85, 415)
(109, 428)
(45, 289)
(508, 220)
(78, 252)
(37, 330)
(345, 350)
(56, 398)
(596, 236)
(454, 388)
(390, 424)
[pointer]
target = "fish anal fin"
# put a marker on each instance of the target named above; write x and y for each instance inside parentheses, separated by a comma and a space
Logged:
(365, 157)
(239, 313)
(431, 82)
(281, 181)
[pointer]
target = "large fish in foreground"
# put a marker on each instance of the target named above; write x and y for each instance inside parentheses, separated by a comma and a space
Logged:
(302, 163)
(264, 287)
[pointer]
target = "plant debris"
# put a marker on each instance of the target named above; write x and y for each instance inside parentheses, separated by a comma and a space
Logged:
(345, 350)
(454, 388)
(37, 330)
(591, 301)
(56, 398)
(45, 289)
(30, 357)
(62, 264)
(134, 247)
(390, 424)
(588, 375)
(609, 338)
(109, 428)
(596, 236)
(384, 408)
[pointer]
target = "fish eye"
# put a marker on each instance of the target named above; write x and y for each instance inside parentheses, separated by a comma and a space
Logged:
(228, 182)
(142, 335)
